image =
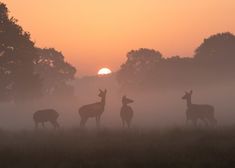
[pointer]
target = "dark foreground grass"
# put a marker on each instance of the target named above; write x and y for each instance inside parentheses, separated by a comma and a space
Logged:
(174, 148)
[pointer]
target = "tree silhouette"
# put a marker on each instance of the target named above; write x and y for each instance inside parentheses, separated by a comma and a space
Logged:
(54, 71)
(139, 63)
(213, 62)
(216, 57)
(217, 48)
(17, 52)
(27, 72)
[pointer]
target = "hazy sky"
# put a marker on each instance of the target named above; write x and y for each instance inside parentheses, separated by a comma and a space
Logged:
(97, 33)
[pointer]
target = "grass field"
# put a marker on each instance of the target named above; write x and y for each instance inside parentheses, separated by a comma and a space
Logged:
(74, 148)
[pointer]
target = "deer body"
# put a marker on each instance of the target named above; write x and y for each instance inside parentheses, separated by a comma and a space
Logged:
(197, 112)
(126, 113)
(46, 115)
(93, 110)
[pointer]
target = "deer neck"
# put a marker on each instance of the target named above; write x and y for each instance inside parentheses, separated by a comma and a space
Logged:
(124, 104)
(189, 102)
(102, 101)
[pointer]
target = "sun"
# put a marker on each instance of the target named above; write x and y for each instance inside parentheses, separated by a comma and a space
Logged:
(104, 71)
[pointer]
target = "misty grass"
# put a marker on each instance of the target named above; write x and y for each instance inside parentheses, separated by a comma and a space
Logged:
(178, 147)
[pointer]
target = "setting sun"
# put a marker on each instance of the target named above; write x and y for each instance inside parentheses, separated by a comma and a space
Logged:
(104, 71)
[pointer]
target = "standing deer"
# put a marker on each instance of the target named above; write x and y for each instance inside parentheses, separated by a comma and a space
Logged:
(126, 111)
(93, 110)
(47, 115)
(195, 112)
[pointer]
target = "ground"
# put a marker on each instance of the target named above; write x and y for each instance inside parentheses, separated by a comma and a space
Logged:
(74, 148)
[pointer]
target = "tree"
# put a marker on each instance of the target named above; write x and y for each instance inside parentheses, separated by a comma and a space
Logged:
(217, 48)
(17, 52)
(139, 67)
(54, 71)
(216, 57)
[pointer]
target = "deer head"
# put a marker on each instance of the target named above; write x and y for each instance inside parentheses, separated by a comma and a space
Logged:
(126, 100)
(102, 93)
(187, 95)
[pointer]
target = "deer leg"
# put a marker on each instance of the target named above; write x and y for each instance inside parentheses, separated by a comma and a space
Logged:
(36, 125)
(205, 122)
(195, 122)
(213, 122)
(123, 123)
(43, 125)
(186, 122)
(128, 124)
(83, 122)
(98, 121)
(55, 124)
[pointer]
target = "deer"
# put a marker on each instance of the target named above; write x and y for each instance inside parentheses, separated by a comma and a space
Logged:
(195, 112)
(93, 110)
(46, 115)
(126, 111)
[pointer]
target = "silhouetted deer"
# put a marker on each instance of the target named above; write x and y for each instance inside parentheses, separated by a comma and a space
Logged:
(93, 110)
(126, 111)
(47, 115)
(195, 112)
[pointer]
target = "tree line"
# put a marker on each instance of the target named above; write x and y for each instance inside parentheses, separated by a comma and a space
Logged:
(213, 62)
(26, 71)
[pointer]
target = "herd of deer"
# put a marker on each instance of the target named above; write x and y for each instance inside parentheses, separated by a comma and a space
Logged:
(194, 112)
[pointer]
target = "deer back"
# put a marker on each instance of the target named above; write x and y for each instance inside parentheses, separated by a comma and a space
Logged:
(91, 110)
(200, 111)
(45, 115)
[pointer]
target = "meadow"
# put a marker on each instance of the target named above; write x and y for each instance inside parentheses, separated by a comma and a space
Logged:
(177, 147)
(157, 138)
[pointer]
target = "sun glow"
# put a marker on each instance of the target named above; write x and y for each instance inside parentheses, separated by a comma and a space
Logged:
(104, 71)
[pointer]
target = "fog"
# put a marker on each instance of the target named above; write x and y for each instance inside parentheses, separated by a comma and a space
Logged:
(153, 108)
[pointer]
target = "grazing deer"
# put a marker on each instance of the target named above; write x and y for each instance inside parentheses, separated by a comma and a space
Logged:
(93, 110)
(47, 115)
(126, 111)
(195, 112)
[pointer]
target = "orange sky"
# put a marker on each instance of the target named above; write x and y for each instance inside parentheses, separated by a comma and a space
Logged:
(97, 33)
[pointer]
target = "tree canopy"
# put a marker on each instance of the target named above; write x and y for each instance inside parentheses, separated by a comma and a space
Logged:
(18, 80)
(28, 72)
(139, 63)
(214, 61)
(53, 70)
(218, 47)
